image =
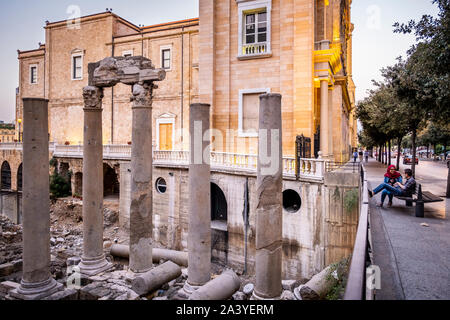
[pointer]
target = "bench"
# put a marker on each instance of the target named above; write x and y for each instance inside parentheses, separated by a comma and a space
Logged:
(420, 198)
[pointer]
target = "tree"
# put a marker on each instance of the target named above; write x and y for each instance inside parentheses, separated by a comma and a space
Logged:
(429, 62)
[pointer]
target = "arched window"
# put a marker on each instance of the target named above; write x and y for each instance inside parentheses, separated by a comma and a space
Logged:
(111, 186)
(6, 176)
(19, 178)
(219, 207)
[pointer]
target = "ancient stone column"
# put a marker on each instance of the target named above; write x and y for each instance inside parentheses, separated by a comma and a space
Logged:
(269, 200)
(93, 259)
(37, 281)
(324, 119)
(141, 180)
(199, 237)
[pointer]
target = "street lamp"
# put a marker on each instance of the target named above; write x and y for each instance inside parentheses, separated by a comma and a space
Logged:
(19, 121)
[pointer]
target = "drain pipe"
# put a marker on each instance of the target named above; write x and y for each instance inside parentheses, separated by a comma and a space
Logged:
(245, 213)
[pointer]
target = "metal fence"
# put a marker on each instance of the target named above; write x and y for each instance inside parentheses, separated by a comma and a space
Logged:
(356, 288)
(351, 167)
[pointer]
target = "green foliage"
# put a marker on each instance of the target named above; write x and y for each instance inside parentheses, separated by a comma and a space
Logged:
(351, 200)
(415, 91)
(53, 162)
(341, 269)
(59, 187)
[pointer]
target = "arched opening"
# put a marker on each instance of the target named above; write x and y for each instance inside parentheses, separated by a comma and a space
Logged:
(5, 176)
(219, 233)
(291, 201)
(219, 207)
(19, 178)
(111, 186)
(78, 184)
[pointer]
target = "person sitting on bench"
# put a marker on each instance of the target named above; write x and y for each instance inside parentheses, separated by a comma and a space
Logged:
(391, 177)
(398, 189)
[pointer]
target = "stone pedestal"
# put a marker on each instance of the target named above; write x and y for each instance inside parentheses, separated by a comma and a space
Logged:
(199, 237)
(141, 180)
(37, 282)
(93, 259)
(269, 200)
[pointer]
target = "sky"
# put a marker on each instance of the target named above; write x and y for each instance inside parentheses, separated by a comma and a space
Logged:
(374, 44)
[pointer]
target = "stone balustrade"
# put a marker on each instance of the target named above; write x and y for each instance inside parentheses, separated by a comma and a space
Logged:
(311, 169)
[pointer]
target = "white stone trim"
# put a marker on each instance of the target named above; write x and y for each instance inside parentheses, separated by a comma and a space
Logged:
(34, 65)
(165, 47)
(166, 118)
(241, 132)
(246, 5)
(125, 52)
(76, 53)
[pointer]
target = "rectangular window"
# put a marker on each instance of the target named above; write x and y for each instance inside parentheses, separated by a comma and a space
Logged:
(165, 58)
(254, 17)
(256, 27)
(249, 111)
(33, 74)
(77, 67)
(250, 114)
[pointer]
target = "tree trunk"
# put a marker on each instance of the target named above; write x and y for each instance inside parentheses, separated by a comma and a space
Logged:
(428, 151)
(413, 160)
(448, 183)
(434, 151)
(399, 145)
(389, 152)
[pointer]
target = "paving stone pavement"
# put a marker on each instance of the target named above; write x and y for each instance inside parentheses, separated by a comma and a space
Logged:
(414, 259)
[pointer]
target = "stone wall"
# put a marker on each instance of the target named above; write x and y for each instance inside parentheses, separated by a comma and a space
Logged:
(320, 233)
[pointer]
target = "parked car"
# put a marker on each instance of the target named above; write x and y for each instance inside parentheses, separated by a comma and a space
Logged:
(408, 159)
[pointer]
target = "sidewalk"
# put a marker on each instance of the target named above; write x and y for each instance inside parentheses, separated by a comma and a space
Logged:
(414, 259)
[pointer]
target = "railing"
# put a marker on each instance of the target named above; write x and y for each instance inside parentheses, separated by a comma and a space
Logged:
(352, 167)
(254, 48)
(356, 283)
(119, 152)
(10, 146)
(309, 168)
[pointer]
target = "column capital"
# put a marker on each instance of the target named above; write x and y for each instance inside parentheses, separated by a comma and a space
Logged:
(142, 95)
(92, 97)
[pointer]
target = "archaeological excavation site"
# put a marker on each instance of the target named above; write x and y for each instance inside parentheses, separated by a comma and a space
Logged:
(86, 248)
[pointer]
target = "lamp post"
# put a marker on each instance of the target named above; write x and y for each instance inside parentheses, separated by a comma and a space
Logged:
(19, 121)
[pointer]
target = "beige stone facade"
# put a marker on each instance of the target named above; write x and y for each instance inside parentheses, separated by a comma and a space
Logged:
(7, 133)
(97, 37)
(290, 63)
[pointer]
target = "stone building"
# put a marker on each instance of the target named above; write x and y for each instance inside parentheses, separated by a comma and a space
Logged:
(7, 132)
(235, 51)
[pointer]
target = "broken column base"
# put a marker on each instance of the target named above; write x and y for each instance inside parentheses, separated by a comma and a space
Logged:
(36, 291)
(187, 290)
(256, 297)
(91, 267)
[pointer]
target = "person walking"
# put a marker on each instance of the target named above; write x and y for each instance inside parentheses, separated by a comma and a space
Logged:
(355, 156)
(366, 155)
